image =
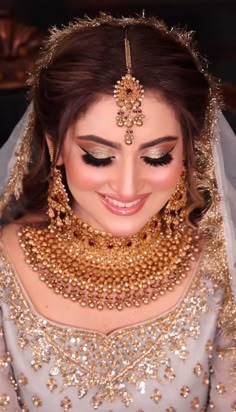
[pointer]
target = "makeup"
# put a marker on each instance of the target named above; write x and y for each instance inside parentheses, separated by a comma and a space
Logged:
(116, 206)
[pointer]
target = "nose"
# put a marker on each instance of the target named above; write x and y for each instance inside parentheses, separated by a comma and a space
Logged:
(127, 182)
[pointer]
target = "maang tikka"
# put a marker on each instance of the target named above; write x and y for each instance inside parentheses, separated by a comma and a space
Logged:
(129, 94)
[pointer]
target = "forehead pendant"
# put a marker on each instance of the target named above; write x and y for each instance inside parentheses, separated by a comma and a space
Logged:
(128, 94)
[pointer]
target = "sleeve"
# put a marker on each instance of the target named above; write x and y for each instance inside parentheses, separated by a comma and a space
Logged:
(8, 387)
(223, 362)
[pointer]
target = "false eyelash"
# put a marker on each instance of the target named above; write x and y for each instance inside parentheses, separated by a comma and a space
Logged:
(93, 161)
(161, 161)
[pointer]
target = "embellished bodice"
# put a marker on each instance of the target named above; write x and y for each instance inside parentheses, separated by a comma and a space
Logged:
(163, 364)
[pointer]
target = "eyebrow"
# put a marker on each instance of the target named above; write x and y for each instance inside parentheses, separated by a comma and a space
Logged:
(105, 142)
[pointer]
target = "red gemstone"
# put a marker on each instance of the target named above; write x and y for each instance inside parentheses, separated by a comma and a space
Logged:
(128, 92)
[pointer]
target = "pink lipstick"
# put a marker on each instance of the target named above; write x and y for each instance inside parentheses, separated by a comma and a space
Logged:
(123, 208)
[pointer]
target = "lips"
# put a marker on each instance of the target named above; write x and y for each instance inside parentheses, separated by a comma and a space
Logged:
(121, 207)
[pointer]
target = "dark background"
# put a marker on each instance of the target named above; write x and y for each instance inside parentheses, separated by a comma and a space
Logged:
(214, 22)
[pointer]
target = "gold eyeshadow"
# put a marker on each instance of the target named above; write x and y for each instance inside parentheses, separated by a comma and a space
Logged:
(157, 152)
(102, 152)
(97, 151)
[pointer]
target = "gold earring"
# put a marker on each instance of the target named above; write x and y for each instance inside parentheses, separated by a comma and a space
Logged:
(175, 209)
(59, 210)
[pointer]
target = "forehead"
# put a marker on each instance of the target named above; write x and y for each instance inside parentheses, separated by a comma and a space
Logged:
(100, 119)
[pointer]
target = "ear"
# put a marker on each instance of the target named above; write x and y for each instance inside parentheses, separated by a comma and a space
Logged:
(51, 150)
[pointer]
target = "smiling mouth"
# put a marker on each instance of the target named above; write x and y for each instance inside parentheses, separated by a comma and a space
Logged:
(123, 208)
(120, 204)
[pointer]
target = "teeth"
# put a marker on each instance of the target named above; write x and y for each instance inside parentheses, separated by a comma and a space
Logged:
(120, 204)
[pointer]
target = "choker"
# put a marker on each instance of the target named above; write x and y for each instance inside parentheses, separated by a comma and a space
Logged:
(99, 270)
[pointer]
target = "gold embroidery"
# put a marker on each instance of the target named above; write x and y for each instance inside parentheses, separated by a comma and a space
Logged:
(36, 401)
(229, 353)
(156, 395)
(4, 400)
(195, 403)
(23, 341)
(197, 370)
(25, 408)
(233, 407)
(36, 364)
(169, 373)
(13, 383)
(209, 346)
(66, 404)
(5, 360)
(22, 380)
(205, 379)
(184, 391)
(51, 384)
(220, 388)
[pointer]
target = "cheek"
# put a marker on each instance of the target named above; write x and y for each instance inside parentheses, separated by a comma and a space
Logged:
(165, 178)
(82, 177)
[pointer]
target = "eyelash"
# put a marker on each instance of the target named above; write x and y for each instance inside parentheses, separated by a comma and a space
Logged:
(162, 161)
(93, 161)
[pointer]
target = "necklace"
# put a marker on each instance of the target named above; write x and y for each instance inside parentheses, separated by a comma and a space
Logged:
(99, 270)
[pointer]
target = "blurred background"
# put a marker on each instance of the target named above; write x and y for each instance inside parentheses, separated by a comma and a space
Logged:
(24, 23)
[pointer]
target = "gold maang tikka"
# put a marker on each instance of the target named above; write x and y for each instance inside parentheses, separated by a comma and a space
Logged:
(129, 94)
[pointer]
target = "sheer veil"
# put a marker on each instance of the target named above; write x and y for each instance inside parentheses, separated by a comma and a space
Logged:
(224, 152)
(14, 157)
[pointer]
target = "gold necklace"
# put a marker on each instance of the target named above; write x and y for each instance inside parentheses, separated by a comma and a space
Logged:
(99, 270)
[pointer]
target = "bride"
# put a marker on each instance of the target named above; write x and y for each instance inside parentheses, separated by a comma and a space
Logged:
(117, 266)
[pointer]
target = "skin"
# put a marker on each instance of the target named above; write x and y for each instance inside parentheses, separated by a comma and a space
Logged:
(128, 176)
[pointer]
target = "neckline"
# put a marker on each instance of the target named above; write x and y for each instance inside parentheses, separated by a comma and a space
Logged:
(15, 278)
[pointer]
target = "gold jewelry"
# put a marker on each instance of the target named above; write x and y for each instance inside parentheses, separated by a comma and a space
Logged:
(129, 94)
(99, 270)
(59, 210)
(176, 208)
(50, 150)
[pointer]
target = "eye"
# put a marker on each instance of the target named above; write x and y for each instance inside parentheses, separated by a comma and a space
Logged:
(95, 161)
(161, 161)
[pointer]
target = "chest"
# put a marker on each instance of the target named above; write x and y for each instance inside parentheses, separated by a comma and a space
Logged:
(162, 363)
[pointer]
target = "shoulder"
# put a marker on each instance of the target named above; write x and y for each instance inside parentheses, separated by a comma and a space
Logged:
(9, 232)
(8, 248)
(9, 237)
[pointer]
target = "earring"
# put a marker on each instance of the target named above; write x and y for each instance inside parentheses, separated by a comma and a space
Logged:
(175, 210)
(59, 210)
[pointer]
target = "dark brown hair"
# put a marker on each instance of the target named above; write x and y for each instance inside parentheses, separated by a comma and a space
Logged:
(86, 64)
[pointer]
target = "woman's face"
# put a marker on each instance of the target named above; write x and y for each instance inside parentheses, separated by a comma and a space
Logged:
(117, 188)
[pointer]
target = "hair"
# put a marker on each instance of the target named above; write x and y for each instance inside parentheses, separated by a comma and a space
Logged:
(86, 64)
